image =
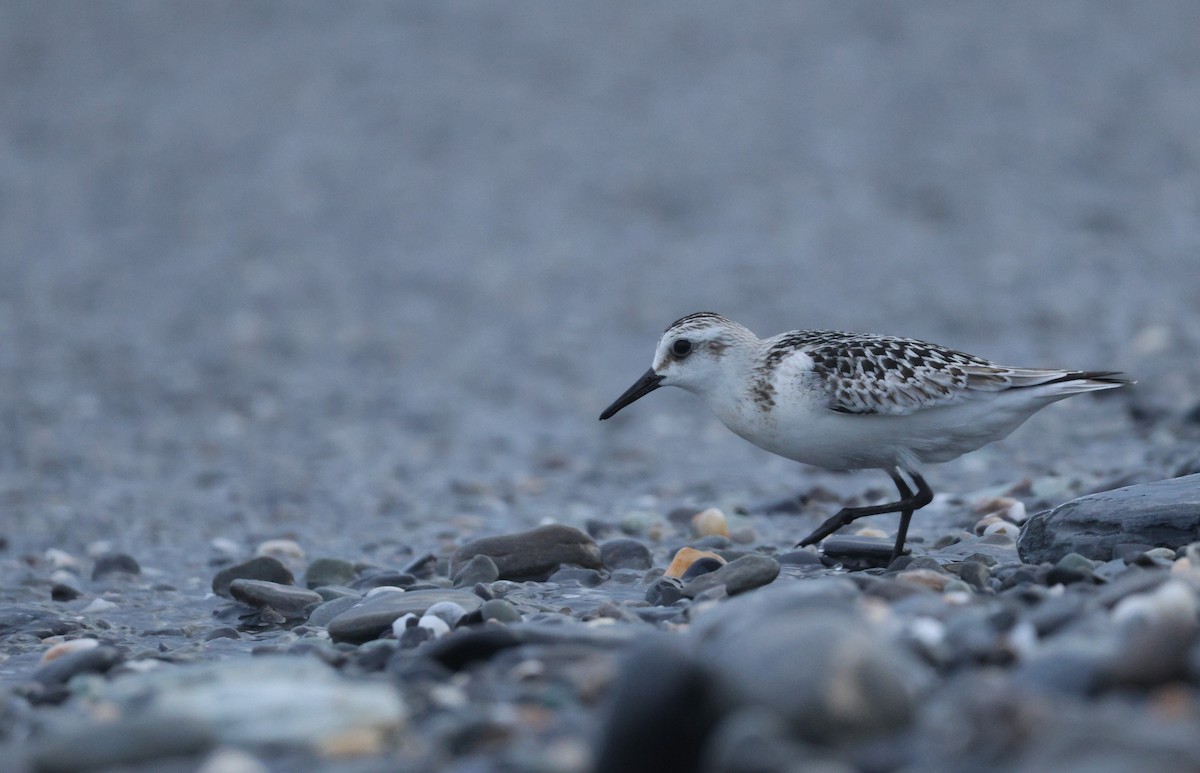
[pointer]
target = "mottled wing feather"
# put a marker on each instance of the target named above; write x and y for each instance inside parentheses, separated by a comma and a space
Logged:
(865, 374)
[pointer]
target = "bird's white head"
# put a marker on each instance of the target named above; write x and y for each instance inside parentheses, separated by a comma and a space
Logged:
(699, 353)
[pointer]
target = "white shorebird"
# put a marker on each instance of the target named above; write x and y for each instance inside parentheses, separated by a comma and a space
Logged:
(845, 401)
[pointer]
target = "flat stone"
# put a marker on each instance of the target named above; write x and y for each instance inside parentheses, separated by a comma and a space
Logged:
(738, 576)
(1164, 513)
(288, 600)
(532, 554)
(260, 568)
(373, 617)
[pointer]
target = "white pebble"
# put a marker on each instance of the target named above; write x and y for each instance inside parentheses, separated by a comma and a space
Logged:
(1003, 527)
(60, 559)
(383, 590)
(401, 623)
(434, 624)
(448, 611)
(229, 760)
(99, 605)
(280, 548)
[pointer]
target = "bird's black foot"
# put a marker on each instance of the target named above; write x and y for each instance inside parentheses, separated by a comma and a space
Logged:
(910, 501)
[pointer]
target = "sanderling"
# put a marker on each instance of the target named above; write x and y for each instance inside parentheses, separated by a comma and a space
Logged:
(845, 401)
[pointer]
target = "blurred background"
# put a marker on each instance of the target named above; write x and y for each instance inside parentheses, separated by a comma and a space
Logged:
(342, 270)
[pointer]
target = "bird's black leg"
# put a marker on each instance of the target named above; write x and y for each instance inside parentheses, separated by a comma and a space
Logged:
(908, 503)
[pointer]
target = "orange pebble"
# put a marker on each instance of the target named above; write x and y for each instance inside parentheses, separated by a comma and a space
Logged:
(685, 558)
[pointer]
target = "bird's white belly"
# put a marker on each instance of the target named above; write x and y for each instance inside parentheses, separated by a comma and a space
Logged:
(844, 441)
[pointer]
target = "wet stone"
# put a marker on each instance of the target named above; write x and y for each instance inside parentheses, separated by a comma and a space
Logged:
(975, 574)
(478, 569)
(857, 552)
(329, 572)
(259, 568)
(288, 600)
(665, 592)
(374, 616)
(701, 566)
(799, 558)
(111, 564)
(625, 553)
(1165, 513)
(532, 554)
(386, 578)
(738, 576)
(587, 578)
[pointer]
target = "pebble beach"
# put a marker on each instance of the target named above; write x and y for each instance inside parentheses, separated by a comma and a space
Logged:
(307, 313)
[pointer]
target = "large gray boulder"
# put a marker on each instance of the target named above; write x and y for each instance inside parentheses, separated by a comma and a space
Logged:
(1165, 513)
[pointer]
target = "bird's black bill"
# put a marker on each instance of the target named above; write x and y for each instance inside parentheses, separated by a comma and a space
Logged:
(644, 386)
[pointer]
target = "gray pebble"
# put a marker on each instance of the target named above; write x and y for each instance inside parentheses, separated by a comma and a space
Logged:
(323, 613)
(500, 610)
(625, 553)
(576, 575)
(96, 660)
(479, 569)
(259, 568)
(532, 554)
(329, 571)
(288, 600)
(375, 615)
(738, 576)
(115, 564)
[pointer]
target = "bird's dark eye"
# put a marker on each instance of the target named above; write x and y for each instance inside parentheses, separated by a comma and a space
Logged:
(681, 347)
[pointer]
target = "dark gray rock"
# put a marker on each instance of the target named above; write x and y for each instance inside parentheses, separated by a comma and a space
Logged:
(288, 600)
(1165, 513)
(738, 576)
(115, 564)
(661, 711)
(384, 578)
(577, 575)
(532, 554)
(63, 592)
(375, 615)
(625, 553)
(259, 568)
(329, 571)
(480, 568)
